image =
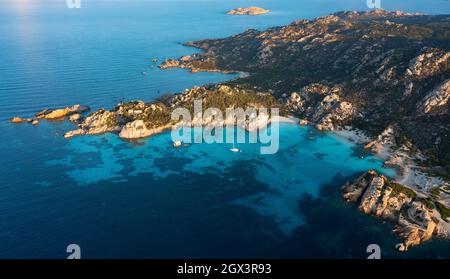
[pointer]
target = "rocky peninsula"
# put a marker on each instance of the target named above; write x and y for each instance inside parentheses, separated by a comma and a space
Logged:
(248, 11)
(137, 119)
(417, 216)
(383, 77)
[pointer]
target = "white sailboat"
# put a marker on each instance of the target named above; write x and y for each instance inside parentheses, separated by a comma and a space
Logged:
(234, 149)
(177, 143)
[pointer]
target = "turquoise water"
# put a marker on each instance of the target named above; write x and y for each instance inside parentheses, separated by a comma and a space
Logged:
(147, 199)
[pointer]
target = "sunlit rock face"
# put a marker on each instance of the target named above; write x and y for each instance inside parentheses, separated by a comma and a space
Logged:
(415, 217)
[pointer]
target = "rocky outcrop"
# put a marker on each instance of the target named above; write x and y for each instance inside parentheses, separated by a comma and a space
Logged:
(337, 115)
(73, 133)
(75, 118)
(61, 113)
(170, 63)
(295, 102)
(134, 130)
(437, 100)
(138, 119)
(429, 63)
(19, 120)
(416, 226)
(56, 114)
(137, 129)
(414, 217)
(321, 105)
(248, 11)
(99, 122)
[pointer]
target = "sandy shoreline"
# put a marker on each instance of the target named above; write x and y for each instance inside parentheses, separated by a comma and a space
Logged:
(408, 172)
(285, 119)
(353, 135)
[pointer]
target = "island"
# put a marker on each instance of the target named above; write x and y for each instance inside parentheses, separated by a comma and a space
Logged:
(380, 78)
(248, 11)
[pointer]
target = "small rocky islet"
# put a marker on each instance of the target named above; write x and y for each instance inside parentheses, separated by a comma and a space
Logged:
(73, 113)
(249, 11)
(385, 75)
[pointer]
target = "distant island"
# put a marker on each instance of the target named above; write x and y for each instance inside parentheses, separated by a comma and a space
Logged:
(380, 78)
(248, 11)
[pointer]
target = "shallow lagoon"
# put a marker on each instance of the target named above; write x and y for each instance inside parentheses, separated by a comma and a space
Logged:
(306, 160)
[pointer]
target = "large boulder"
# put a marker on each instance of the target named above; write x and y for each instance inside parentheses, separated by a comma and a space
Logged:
(101, 121)
(134, 130)
(138, 129)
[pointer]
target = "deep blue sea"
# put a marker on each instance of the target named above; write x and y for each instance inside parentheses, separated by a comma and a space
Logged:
(146, 199)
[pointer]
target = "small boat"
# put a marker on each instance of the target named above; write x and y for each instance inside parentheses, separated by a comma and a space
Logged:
(144, 73)
(177, 143)
(234, 149)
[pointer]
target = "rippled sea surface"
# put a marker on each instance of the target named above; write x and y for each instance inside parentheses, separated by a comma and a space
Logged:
(146, 199)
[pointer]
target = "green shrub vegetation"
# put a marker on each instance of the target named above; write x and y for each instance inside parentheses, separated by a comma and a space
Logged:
(398, 188)
(427, 202)
(444, 211)
(435, 192)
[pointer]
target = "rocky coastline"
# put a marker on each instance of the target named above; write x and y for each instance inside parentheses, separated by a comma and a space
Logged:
(137, 119)
(417, 216)
(385, 75)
